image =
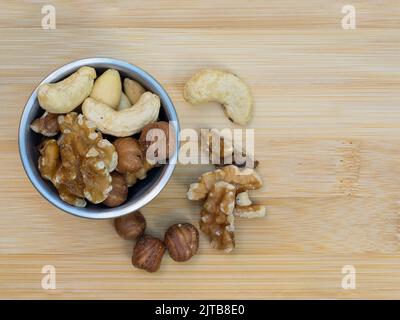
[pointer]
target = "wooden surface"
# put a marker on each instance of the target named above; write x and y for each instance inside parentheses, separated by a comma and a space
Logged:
(327, 121)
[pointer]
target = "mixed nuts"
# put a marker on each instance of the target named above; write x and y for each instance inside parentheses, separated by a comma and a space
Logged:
(94, 156)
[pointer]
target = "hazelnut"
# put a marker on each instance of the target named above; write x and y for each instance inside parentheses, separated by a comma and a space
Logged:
(130, 155)
(119, 192)
(182, 241)
(130, 226)
(150, 136)
(148, 253)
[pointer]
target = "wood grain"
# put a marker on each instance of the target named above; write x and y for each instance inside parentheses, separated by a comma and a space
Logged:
(327, 126)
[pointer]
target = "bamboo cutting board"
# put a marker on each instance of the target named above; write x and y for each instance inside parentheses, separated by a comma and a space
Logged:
(327, 125)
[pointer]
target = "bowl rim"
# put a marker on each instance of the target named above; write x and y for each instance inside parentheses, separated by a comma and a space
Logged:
(158, 186)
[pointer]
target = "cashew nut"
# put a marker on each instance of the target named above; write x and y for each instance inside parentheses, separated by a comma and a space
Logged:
(66, 95)
(125, 122)
(225, 88)
(108, 88)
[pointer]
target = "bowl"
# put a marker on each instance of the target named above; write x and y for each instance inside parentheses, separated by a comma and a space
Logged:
(144, 190)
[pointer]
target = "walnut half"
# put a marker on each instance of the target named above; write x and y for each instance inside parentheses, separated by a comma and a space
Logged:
(225, 194)
(87, 159)
(47, 125)
(80, 162)
(49, 166)
(243, 179)
(217, 220)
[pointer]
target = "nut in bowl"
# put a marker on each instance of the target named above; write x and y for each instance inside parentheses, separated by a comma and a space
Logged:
(93, 100)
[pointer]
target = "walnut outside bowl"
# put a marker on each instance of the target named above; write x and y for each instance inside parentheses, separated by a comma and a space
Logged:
(144, 190)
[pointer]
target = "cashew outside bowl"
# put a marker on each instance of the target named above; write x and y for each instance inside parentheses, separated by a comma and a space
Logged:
(144, 190)
(223, 87)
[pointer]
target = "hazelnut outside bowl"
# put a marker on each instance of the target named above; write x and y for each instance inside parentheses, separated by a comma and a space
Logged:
(144, 190)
